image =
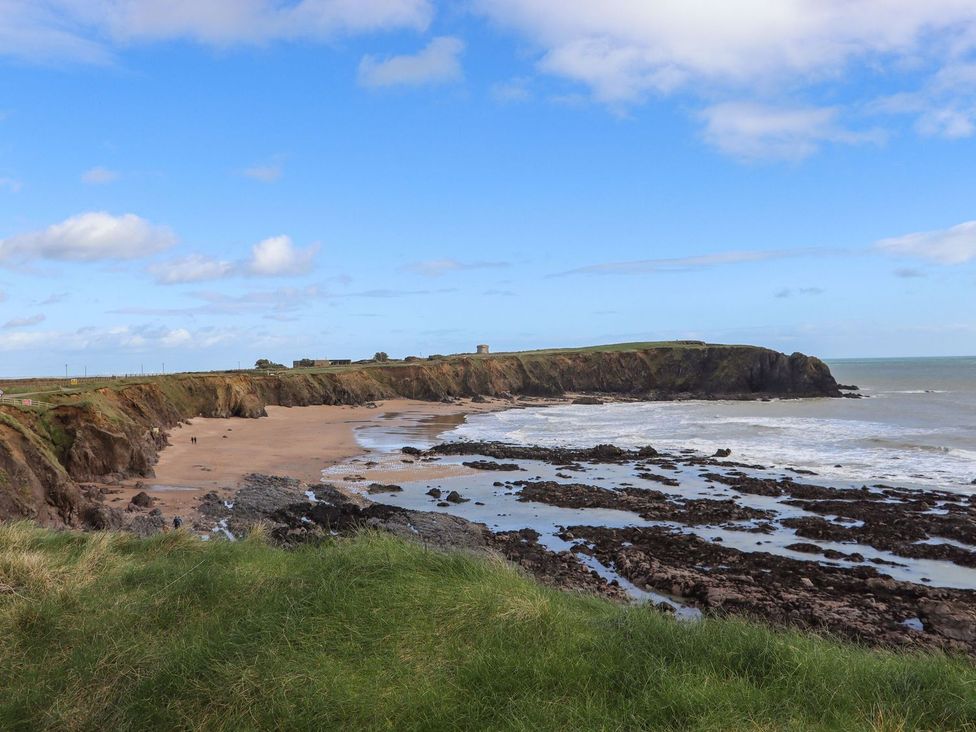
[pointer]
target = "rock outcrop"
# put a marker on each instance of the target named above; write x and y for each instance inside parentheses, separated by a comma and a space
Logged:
(118, 430)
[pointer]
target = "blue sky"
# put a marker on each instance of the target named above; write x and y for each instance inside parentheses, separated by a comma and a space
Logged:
(206, 183)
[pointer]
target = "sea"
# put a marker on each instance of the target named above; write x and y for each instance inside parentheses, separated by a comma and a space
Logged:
(915, 425)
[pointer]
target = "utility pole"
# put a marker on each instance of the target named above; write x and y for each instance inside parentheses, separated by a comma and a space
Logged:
(66, 371)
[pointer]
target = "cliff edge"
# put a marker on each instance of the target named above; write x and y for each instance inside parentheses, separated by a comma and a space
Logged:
(118, 429)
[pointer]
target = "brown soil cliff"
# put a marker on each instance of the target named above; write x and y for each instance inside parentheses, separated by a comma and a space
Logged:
(118, 430)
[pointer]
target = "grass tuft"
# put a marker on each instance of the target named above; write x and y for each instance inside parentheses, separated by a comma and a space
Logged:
(102, 631)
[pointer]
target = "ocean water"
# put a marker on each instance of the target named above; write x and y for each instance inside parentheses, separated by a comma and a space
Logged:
(916, 426)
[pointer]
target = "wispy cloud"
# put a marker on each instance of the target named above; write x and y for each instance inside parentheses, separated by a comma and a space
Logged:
(99, 176)
(945, 106)
(54, 298)
(760, 132)
(955, 245)
(801, 291)
(192, 268)
(24, 322)
(513, 90)
(282, 300)
(438, 63)
(909, 273)
(11, 184)
(440, 267)
(89, 32)
(268, 172)
(385, 294)
(688, 264)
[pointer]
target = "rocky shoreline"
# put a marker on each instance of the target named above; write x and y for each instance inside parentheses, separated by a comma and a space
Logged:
(842, 593)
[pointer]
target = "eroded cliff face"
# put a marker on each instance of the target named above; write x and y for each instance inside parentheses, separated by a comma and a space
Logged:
(119, 431)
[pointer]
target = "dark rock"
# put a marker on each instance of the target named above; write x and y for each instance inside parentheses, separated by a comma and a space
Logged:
(952, 622)
(143, 500)
(411, 451)
(489, 465)
(103, 518)
(381, 488)
(606, 452)
(146, 526)
(455, 497)
(434, 492)
(722, 453)
(478, 399)
(665, 480)
(588, 400)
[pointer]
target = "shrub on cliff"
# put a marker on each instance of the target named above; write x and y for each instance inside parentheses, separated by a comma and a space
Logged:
(263, 363)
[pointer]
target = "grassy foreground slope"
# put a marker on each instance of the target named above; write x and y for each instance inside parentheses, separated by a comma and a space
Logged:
(103, 631)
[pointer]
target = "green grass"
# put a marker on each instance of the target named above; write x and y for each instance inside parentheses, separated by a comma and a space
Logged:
(60, 390)
(102, 632)
(616, 348)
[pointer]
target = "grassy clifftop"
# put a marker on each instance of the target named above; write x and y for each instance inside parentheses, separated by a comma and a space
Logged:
(103, 631)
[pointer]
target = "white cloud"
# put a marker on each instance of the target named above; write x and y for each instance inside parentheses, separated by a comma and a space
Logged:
(24, 322)
(753, 132)
(439, 267)
(99, 176)
(89, 237)
(11, 184)
(955, 245)
(273, 257)
(113, 339)
(88, 30)
(176, 337)
(278, 256)
(193, 268)
(438, 63)
(944, 107)
(624, 49)
(269, 172)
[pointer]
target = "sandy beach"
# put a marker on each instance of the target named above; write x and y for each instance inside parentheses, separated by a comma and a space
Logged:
(298, 442)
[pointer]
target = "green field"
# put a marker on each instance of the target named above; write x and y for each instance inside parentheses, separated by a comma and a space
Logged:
(107, 632)
(55, 389)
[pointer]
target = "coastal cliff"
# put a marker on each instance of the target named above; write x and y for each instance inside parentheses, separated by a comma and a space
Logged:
(119, 429)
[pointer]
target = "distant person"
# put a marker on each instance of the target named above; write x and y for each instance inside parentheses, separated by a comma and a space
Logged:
(177, 522)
